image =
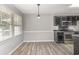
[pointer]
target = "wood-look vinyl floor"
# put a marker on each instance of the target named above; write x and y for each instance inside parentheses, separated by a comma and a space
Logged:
(44, 48)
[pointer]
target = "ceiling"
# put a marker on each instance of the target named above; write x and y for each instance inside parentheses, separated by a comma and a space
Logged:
(46, 8)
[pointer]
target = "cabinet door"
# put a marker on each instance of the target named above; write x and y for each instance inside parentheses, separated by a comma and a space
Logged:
(78, 18)
(64, 18)
(76, 45)
(57, 20)
(74, 20)
(69, 18)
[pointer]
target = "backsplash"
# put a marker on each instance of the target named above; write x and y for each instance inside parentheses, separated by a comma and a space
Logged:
(74, 28)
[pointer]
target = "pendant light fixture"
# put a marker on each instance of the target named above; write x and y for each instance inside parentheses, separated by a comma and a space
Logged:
(38, 16)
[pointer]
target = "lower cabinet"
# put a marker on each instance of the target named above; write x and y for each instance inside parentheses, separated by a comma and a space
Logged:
(59, 36)
(76, 45)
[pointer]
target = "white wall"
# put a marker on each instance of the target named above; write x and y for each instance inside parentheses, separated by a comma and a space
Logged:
(8, 45)
(38, 29)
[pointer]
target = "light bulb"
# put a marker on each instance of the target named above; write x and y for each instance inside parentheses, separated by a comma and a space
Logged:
(38, 16)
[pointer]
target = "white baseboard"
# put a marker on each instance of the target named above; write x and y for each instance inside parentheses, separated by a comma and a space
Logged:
(38, 41)
(37, 31)
(15, 48)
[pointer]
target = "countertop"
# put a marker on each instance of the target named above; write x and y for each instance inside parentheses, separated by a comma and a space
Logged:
(64, 31)
(75, 35)
(67, 30)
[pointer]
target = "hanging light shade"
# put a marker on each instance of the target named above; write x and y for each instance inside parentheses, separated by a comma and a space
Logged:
(38, 16)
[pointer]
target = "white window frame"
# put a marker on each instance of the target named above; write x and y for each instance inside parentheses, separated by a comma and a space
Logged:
(11, 13)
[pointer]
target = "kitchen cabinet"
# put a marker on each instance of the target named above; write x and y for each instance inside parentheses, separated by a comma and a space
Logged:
(65, 20)
(74, 20)
(75, 37)
(76, 44)
(69, 18)
(59, 36)
(62, 36)
(77, 18)
(57, 20)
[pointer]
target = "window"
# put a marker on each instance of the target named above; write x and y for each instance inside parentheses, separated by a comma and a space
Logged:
(5, 26)
(17, 24)
(10, 24)
(0, 27)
